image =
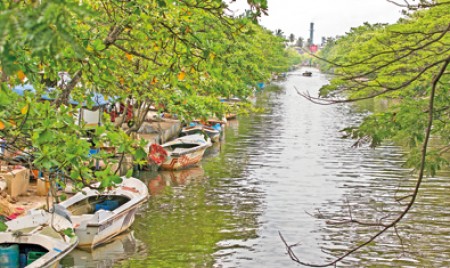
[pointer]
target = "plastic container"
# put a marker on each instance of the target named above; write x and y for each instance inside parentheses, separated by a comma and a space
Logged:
(9, 256)
(107, 205)
(217, 127)
(34, 255)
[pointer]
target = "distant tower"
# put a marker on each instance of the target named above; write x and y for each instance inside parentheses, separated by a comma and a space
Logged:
(311, 33)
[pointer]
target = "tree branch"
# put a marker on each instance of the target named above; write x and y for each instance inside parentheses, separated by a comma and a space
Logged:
(413, 195)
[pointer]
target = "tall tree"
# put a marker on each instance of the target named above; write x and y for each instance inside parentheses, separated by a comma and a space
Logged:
(300, 42)
(291, 38)
(279, 33)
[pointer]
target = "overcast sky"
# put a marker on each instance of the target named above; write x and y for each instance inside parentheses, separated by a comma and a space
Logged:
(330, 17)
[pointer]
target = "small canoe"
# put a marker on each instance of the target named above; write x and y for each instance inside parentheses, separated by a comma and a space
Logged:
(38, 239)
(211, 121)
(307, 73)
(98, 217)
(230, 116)
(212, 132)
(184, 152)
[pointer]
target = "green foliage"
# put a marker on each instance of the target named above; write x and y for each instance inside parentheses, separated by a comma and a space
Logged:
(69, 232)
(181, 54)
(3, 226)
(398, 62)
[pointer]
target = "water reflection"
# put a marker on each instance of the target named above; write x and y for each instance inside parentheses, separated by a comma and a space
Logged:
(189, 226)
(124, 246)
(157, 182)
(213, 150)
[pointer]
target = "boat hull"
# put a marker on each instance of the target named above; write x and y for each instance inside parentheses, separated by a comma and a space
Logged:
(98, 217)
(50, 259)
(213, 134)
(43, 229)
(183, 161)
(95, 235)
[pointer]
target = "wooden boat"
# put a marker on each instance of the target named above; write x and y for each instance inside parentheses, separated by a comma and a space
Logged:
(230, 116)
(211, 121)
(213, 132)
(307, 73)
(231, 100)
(183, 152)
(38, 239)
(98, 217)
(232, 105)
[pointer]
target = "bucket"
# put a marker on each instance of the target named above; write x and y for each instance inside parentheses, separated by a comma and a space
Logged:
(9, 256)
(107, 205)
(36, 173)
(93, 151)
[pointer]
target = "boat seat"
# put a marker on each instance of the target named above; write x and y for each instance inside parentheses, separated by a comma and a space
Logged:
(178, 150)
(81, 209)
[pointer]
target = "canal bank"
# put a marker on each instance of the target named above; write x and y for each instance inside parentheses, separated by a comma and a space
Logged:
(27, 193)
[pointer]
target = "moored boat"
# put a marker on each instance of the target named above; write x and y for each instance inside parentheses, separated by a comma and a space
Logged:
(98, 217)
(307, 73)
(230, 116)
(213, 132)
(38, 239)
(184, 152)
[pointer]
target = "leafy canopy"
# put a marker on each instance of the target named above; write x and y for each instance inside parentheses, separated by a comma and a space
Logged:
(181, 55)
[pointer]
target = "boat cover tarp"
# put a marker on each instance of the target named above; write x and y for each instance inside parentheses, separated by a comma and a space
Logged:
(97, 98)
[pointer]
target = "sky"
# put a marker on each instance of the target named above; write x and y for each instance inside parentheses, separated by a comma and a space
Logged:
(330, 17)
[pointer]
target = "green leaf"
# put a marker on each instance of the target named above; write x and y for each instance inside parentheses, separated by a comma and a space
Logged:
(98, 44)
(69, 232)
(3, 226)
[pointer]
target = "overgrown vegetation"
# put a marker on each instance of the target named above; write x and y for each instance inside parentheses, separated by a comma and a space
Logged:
(180, 55)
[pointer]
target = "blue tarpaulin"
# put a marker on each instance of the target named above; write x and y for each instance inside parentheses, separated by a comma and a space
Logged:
(21, 89)
(97, 98)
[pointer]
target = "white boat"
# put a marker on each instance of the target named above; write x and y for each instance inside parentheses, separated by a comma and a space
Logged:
(195, 128)
(99, 216)
(184, 151)
(38, 239)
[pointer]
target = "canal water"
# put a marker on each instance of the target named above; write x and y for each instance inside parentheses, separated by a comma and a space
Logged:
(285, 170)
